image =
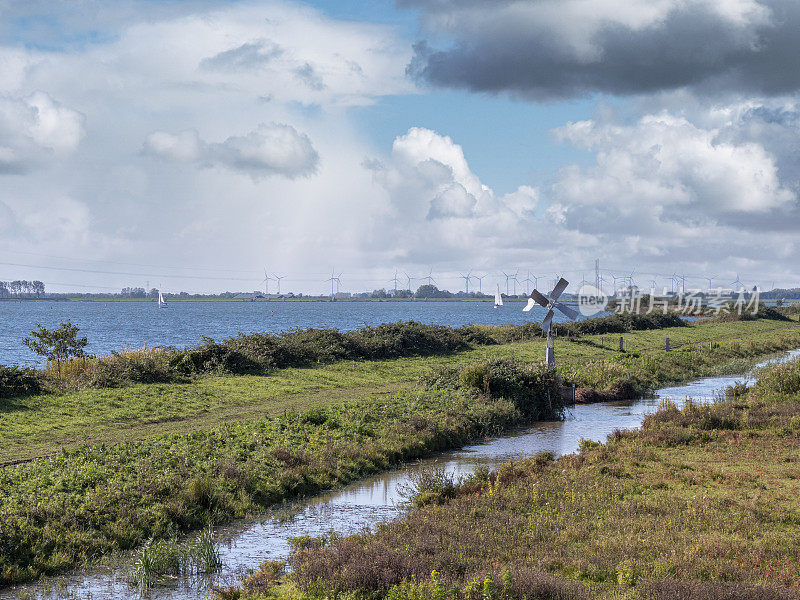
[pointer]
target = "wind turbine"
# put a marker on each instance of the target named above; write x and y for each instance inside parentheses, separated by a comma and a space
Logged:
(480, 282)
(409, 279)
(266, 281)
(430, 278)
(515, 280)
(278, 279)
(631, 281)
(615, 277)
(709, 280)
(334, 281)
(738, 281)
(682, 279)
(395, 282)
(527, 280)
(508, 278)
(466, 280)
(547, 322)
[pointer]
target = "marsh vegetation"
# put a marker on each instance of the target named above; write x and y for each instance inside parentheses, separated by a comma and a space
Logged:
(174, 460)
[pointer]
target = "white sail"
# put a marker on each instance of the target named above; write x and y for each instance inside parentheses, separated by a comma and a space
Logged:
(161, 302)
(498, 298)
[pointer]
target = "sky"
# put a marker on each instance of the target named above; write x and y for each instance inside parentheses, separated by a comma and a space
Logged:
(190, 145)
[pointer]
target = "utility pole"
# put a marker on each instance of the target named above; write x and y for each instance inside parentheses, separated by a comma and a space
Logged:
(597, 273)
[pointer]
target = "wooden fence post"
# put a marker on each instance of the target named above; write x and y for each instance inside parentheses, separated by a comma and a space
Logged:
(667, 344)
(621, 344)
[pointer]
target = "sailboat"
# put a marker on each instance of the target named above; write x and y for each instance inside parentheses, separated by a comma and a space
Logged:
(161, 302)
(498, 298)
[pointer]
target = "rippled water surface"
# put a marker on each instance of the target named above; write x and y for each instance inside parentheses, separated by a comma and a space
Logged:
(379, 498)
(117, 325)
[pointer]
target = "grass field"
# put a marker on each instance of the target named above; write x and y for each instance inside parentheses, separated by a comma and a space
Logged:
(41, 425)
(126, 464)
(701, 503)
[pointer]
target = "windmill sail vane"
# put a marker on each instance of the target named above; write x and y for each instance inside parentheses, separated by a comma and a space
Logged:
(551, 303)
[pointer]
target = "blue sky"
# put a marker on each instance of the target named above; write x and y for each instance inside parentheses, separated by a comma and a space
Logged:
(507, 141)
(219, 137)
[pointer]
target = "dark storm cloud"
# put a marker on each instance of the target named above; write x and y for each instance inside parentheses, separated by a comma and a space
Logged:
(528, 49)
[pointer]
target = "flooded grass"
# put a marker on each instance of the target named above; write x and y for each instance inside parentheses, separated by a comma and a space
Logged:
(157, 560)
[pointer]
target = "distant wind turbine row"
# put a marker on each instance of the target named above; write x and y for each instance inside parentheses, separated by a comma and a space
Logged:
(619, 281)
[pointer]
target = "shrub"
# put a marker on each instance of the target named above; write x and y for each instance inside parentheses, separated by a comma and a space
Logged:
(763, 312)
(620, 324)
(781, 379)
(15, 381)
(58, 344)
(211, 356)
(430, 486)
(533, 388)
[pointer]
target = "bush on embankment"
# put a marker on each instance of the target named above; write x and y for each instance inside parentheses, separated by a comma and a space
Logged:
(618, 323)
(730, 313)
(533, 388)
(15, 381)
(260, 353)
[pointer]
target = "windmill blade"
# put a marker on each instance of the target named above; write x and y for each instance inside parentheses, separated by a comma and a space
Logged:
(535, 295)
(530, 305)
(559, 289)
(571, 313)
(547, 320)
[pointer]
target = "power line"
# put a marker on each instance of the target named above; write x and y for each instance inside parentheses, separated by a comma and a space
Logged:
(128, 264)
(253, 279)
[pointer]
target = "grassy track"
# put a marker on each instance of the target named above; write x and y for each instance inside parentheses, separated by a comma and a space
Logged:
(40, 425)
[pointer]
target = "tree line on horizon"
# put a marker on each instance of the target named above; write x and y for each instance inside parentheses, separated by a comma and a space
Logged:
(21, 288)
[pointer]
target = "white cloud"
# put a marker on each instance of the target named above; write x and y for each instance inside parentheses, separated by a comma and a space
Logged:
(663, 172)
(440, 211)
(275, 149)
(34, 129)
(272, 49)
(185, 146)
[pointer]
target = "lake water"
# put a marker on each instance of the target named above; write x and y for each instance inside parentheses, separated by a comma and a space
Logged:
(119, 325)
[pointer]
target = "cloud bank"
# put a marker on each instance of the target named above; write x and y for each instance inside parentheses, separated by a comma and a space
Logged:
(274, 149)
(550, 49)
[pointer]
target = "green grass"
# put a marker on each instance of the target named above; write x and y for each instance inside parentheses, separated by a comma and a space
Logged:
(96, 499)
(702, 502)
(146, 461)
(41, 425)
